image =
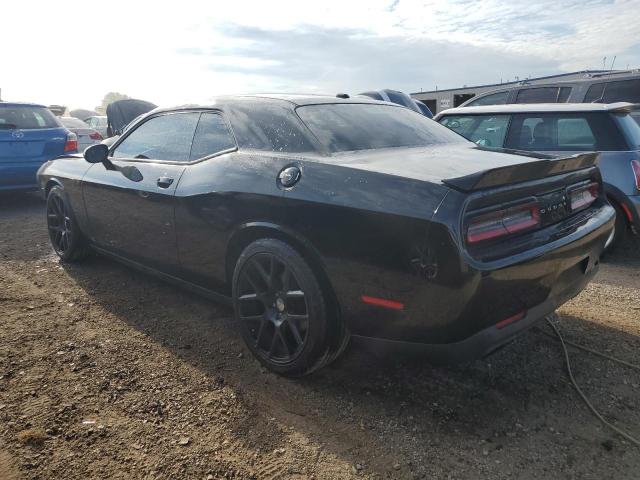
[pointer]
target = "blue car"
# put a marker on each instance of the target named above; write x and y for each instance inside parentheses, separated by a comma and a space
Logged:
(562, 129)
(29, 136)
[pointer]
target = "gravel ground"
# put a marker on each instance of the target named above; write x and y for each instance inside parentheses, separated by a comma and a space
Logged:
(108, 373)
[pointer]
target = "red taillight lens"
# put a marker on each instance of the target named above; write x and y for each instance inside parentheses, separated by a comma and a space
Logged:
(503, 222)
(95, 136)
(635, 166)
(583, 196)
(72, 143)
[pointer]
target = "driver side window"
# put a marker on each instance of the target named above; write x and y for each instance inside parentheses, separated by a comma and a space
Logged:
(165, 137)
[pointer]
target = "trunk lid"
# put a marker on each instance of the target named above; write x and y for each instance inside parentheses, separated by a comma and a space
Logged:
(465, 167)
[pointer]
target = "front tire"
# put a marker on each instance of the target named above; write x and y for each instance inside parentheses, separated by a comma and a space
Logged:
(66, 238)
(280, 308)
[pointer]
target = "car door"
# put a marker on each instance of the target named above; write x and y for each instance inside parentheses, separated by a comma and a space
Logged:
(131, 209)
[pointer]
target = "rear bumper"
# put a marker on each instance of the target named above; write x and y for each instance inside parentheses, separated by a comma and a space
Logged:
(455, 316)
(19, 187)
(19, 175)
(485, 341)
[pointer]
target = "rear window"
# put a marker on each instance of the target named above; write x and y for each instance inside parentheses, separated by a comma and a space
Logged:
(351, 126)
(71, 122)
(26, 118)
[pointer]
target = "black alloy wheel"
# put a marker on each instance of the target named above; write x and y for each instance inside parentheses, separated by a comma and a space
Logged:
(59, 224)
(66, 239)
(280, 308)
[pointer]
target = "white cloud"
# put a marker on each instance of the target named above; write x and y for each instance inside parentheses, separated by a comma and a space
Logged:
(74, 52)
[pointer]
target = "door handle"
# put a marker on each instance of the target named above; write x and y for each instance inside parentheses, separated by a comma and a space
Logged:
(165, 182)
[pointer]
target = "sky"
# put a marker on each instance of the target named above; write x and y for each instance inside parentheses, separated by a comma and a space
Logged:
(74, 52)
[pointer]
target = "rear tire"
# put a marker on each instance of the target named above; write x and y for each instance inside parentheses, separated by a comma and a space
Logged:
(620, 228)
(281, 309)
(66, 238)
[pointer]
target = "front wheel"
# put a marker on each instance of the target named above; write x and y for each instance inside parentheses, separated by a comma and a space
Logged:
(65, 236)
(280, 308)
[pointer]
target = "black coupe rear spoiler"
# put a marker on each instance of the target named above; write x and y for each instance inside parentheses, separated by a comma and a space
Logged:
(521, 172)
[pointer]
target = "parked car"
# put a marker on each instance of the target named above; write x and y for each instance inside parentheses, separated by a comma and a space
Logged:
(565, 129)
(319, 218)
(598, 88)
(120, 113)
(98, 123)
(29, 136)
(400, 98)
(87, 136)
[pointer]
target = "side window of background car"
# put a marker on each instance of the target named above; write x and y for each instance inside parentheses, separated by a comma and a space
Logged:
(212, 136)
(165, 137)
(538, 95)
(531, 133)
(575, 134)
(462, 125)
(609, 92)
(499, 98)
(489, 130)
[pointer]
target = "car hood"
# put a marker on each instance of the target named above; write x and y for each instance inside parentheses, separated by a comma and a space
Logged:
(463, 166)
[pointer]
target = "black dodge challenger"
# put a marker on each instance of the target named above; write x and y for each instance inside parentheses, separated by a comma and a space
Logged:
(322, 218)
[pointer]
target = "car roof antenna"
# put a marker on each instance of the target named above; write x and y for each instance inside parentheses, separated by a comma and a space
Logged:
(342, 95)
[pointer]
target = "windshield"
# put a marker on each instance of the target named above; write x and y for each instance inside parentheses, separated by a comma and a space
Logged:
(631, 129)
(26, 117)
(352, 126)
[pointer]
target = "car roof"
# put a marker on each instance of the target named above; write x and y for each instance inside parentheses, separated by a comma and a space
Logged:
(543, 107)
(293, 100)
(20, 104)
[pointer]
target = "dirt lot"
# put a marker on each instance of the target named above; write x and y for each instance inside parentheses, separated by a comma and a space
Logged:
(107, 373)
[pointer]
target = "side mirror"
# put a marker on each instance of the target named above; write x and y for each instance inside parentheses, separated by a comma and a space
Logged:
(96, 153)
(99, 153)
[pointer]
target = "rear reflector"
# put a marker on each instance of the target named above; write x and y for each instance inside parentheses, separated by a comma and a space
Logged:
(71, 144)
(627, 212)
(95, 136)
(583, 196)
(503, 222)
(635, 166)
(381, 302)
(510, 320)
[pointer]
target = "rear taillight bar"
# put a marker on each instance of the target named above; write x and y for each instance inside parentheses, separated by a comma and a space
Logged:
(635, 166)
(95, 136)
(583, 196)
(503, 222)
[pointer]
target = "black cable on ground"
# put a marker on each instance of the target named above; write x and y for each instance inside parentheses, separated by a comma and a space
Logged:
(584, 397)
(595, 352)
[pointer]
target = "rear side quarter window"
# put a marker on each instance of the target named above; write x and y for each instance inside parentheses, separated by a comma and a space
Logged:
(212, 136)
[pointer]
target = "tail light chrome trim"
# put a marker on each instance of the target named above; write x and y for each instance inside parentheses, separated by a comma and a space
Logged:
(502, 222)
(583, 196)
